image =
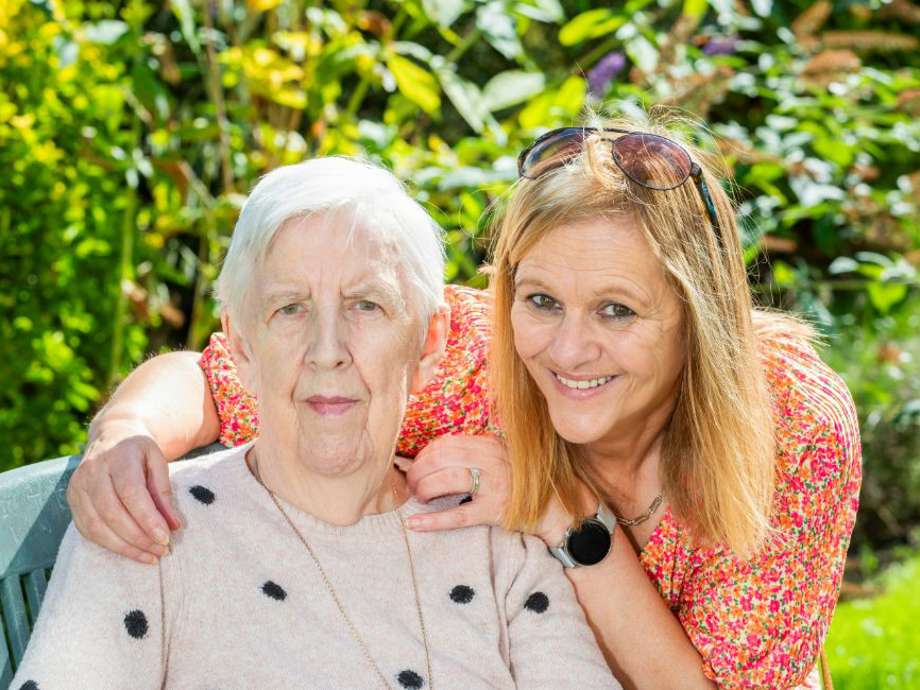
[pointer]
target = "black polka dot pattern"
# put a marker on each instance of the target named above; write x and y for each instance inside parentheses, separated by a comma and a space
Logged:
(202, 494)
(274, 591)
(462, 594)
(410, 679)
(29, 685)
(136, 624)
(537, 602)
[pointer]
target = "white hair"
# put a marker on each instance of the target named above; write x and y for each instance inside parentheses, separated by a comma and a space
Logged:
(380, 205)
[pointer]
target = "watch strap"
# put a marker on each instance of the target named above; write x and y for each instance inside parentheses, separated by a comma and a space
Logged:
(562, 553)
(606, 517)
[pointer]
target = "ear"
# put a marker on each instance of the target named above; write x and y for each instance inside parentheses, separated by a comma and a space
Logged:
(241, 353)
(432, 350)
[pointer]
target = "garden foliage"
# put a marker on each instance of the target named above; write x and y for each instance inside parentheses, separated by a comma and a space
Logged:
(131, 131)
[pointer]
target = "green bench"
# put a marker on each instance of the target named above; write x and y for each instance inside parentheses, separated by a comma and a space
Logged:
(33, 517)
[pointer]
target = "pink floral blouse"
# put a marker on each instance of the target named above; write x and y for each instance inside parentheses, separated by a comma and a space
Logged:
(757, 623)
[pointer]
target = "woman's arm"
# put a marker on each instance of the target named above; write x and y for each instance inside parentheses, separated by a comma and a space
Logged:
(120, 494)
(642, 641)
(549, 643)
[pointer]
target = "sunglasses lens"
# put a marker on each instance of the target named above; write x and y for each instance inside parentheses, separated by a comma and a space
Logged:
(552, 152)
(652, 161)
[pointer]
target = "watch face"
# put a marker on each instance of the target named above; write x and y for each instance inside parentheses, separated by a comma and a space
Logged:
(589, 543)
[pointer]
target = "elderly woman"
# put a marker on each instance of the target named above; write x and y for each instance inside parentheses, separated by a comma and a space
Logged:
(295, 568)
(716, 457)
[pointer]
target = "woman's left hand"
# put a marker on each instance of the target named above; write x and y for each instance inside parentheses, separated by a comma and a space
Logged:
(443, 469)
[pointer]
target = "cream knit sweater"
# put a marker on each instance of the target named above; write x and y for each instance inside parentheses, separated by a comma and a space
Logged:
(238, 603)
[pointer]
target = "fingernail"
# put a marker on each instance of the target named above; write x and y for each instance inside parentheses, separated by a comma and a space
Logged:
(415, 522)
(149, 559)
(161, 536)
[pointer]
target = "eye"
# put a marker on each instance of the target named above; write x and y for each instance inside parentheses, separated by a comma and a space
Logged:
(614, 310)
(542, 302)
(291, 309)
(367, 305)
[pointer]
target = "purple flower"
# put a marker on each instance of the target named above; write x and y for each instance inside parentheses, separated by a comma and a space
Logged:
(600, 76)
(726, 45)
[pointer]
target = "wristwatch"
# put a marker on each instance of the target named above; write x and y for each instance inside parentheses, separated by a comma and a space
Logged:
(589, 543)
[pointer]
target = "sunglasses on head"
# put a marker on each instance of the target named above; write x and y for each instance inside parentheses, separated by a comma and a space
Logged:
(649, 160)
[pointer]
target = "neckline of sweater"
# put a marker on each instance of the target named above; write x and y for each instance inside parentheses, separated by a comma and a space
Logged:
(371, 525)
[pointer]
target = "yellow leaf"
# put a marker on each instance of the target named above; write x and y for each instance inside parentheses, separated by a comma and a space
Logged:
(572, 94)
(536, 113)
(262, 5)
(291, 97)
(415, 83)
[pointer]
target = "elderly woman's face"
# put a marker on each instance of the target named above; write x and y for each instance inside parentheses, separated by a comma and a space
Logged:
(334, 344)
(599, 329)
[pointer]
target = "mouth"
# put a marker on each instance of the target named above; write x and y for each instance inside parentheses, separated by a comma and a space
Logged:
(330, 406)
(582, 387)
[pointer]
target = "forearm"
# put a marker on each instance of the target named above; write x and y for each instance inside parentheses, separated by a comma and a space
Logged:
(643, 642)
(166, 397)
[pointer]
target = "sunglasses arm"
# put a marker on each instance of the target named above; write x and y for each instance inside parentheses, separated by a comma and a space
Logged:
(703, 189)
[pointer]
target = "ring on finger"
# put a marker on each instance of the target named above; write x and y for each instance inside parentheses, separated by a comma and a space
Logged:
(475, 475)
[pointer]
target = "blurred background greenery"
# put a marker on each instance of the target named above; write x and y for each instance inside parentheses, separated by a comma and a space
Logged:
(131, 131)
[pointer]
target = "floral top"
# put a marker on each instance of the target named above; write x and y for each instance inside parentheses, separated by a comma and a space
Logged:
(756, 623)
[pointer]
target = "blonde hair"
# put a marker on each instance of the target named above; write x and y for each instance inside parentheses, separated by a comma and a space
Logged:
(717, 457)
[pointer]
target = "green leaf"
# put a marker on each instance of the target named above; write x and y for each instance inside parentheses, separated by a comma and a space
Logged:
(498, 27)
(642, 53)
(419, 52)
(843, 264)
(762, 7)
(510, 88)
(415, 83)
(885, 295)
(875, 258)
(783, 275)
(466, 98)
(443, 12)
(834, 150)
(541, 10)
(590, 24)
(183, 11)
(105, 32)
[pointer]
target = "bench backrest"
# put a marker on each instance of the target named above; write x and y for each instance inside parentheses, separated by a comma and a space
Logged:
(33, 518)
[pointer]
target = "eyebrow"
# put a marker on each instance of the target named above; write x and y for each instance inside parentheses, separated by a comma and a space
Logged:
(283, 294)
(376, 288)
(371, 288)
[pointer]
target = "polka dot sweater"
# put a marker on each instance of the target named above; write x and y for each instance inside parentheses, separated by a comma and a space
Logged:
(238, 603)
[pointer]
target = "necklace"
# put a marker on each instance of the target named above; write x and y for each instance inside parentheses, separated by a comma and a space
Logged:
(638, 520)
(352, 629)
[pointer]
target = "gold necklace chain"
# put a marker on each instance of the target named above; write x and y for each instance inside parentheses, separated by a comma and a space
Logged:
(632, 522)
(335, 598)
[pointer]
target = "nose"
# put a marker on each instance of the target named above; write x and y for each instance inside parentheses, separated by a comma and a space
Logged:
(573, 343)
(328, 348)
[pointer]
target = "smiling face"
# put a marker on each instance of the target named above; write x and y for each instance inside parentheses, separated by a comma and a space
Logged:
(331, 345)
(600, 330)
